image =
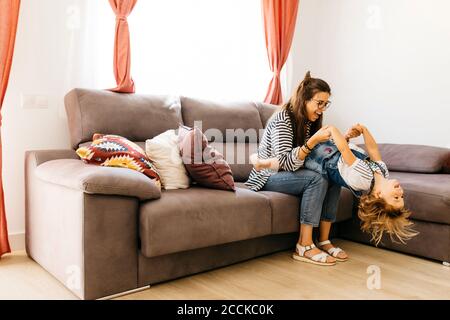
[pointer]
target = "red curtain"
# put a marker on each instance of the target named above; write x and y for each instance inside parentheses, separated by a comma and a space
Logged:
(122, 53)
(9, 13)
(279, 25)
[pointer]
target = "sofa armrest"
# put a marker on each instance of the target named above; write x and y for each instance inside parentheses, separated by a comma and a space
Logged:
(89, 242)
(37, 157)
(92, 179)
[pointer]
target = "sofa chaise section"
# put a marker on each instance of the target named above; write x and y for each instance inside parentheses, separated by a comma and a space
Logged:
(423, 172)
(81, 221)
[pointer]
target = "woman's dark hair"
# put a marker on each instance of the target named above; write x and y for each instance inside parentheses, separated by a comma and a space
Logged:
(296, 106)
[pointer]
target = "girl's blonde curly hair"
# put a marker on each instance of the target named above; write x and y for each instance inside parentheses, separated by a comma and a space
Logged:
(378, 217)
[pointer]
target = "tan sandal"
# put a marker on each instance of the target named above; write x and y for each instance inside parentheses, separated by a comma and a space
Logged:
(332, 251)
(319, 259)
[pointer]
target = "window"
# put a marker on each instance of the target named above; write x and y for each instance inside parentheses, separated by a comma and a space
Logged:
(211, 49)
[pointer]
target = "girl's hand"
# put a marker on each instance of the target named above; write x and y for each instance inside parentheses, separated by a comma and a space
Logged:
(359, 127)
(355, 131)
(322, 135)
(351, 133)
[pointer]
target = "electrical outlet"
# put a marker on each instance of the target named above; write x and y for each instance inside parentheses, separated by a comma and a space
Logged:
(34, 101)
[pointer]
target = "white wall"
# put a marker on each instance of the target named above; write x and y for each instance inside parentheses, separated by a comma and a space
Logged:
(62, 44)
(48, 61)
(393, 68)
(387, 62)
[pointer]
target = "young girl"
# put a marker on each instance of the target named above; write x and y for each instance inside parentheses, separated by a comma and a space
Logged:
(381, 205)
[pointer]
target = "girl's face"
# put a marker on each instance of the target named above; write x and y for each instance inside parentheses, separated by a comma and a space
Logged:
(317, 105)
(391, 191)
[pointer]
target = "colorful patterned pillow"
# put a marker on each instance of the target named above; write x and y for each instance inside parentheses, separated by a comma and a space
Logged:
(205, 165)
(116, 151)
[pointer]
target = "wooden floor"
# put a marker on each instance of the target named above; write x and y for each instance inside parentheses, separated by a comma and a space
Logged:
(276, 276)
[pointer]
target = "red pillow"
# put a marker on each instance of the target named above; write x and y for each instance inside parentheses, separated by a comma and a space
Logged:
(116, 151)
(205, 165)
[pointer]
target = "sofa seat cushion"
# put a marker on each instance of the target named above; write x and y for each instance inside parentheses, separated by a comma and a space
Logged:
(426, 195)
(285, 209)
(199, 217)
(92, 179)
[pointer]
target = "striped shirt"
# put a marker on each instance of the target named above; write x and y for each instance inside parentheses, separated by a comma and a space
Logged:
(359, 175)
(276, 142)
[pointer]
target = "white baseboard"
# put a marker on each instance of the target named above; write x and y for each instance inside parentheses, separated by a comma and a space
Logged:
(17, 241)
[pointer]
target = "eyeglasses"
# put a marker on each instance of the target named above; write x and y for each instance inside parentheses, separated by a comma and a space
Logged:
(323, 105)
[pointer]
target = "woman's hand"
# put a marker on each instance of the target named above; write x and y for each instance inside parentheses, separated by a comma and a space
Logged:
(322, 135)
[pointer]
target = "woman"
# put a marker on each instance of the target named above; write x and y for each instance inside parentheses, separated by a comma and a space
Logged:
(289, 135)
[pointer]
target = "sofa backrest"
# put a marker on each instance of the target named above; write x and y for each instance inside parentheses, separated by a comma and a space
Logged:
(134, 116)
(232, 127)
(223, 116)
(415, 158)
(140, 117)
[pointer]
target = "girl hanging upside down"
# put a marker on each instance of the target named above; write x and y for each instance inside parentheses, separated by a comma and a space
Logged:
(381, 205)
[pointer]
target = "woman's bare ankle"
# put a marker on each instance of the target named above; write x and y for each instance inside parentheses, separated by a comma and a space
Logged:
(304, 243)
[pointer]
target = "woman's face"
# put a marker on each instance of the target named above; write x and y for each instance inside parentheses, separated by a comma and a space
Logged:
(317, 105)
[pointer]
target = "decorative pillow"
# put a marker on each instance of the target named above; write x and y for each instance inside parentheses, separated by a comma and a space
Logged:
(205, 164)
(116, 151)
(165, 153)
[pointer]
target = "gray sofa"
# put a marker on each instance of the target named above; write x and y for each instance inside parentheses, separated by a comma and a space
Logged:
(102, 231)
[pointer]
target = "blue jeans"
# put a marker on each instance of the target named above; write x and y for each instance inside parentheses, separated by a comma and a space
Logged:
(319, 199)
(324, 160)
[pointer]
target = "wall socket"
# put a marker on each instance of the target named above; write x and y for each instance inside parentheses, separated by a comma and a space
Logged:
(34, 101)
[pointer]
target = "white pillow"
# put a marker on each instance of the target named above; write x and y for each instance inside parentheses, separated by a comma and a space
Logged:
(164, 151)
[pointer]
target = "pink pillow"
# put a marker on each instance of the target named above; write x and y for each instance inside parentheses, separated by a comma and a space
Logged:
(205, 165)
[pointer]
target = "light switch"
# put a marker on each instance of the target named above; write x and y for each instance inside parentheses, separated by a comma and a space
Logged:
(34, 101)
